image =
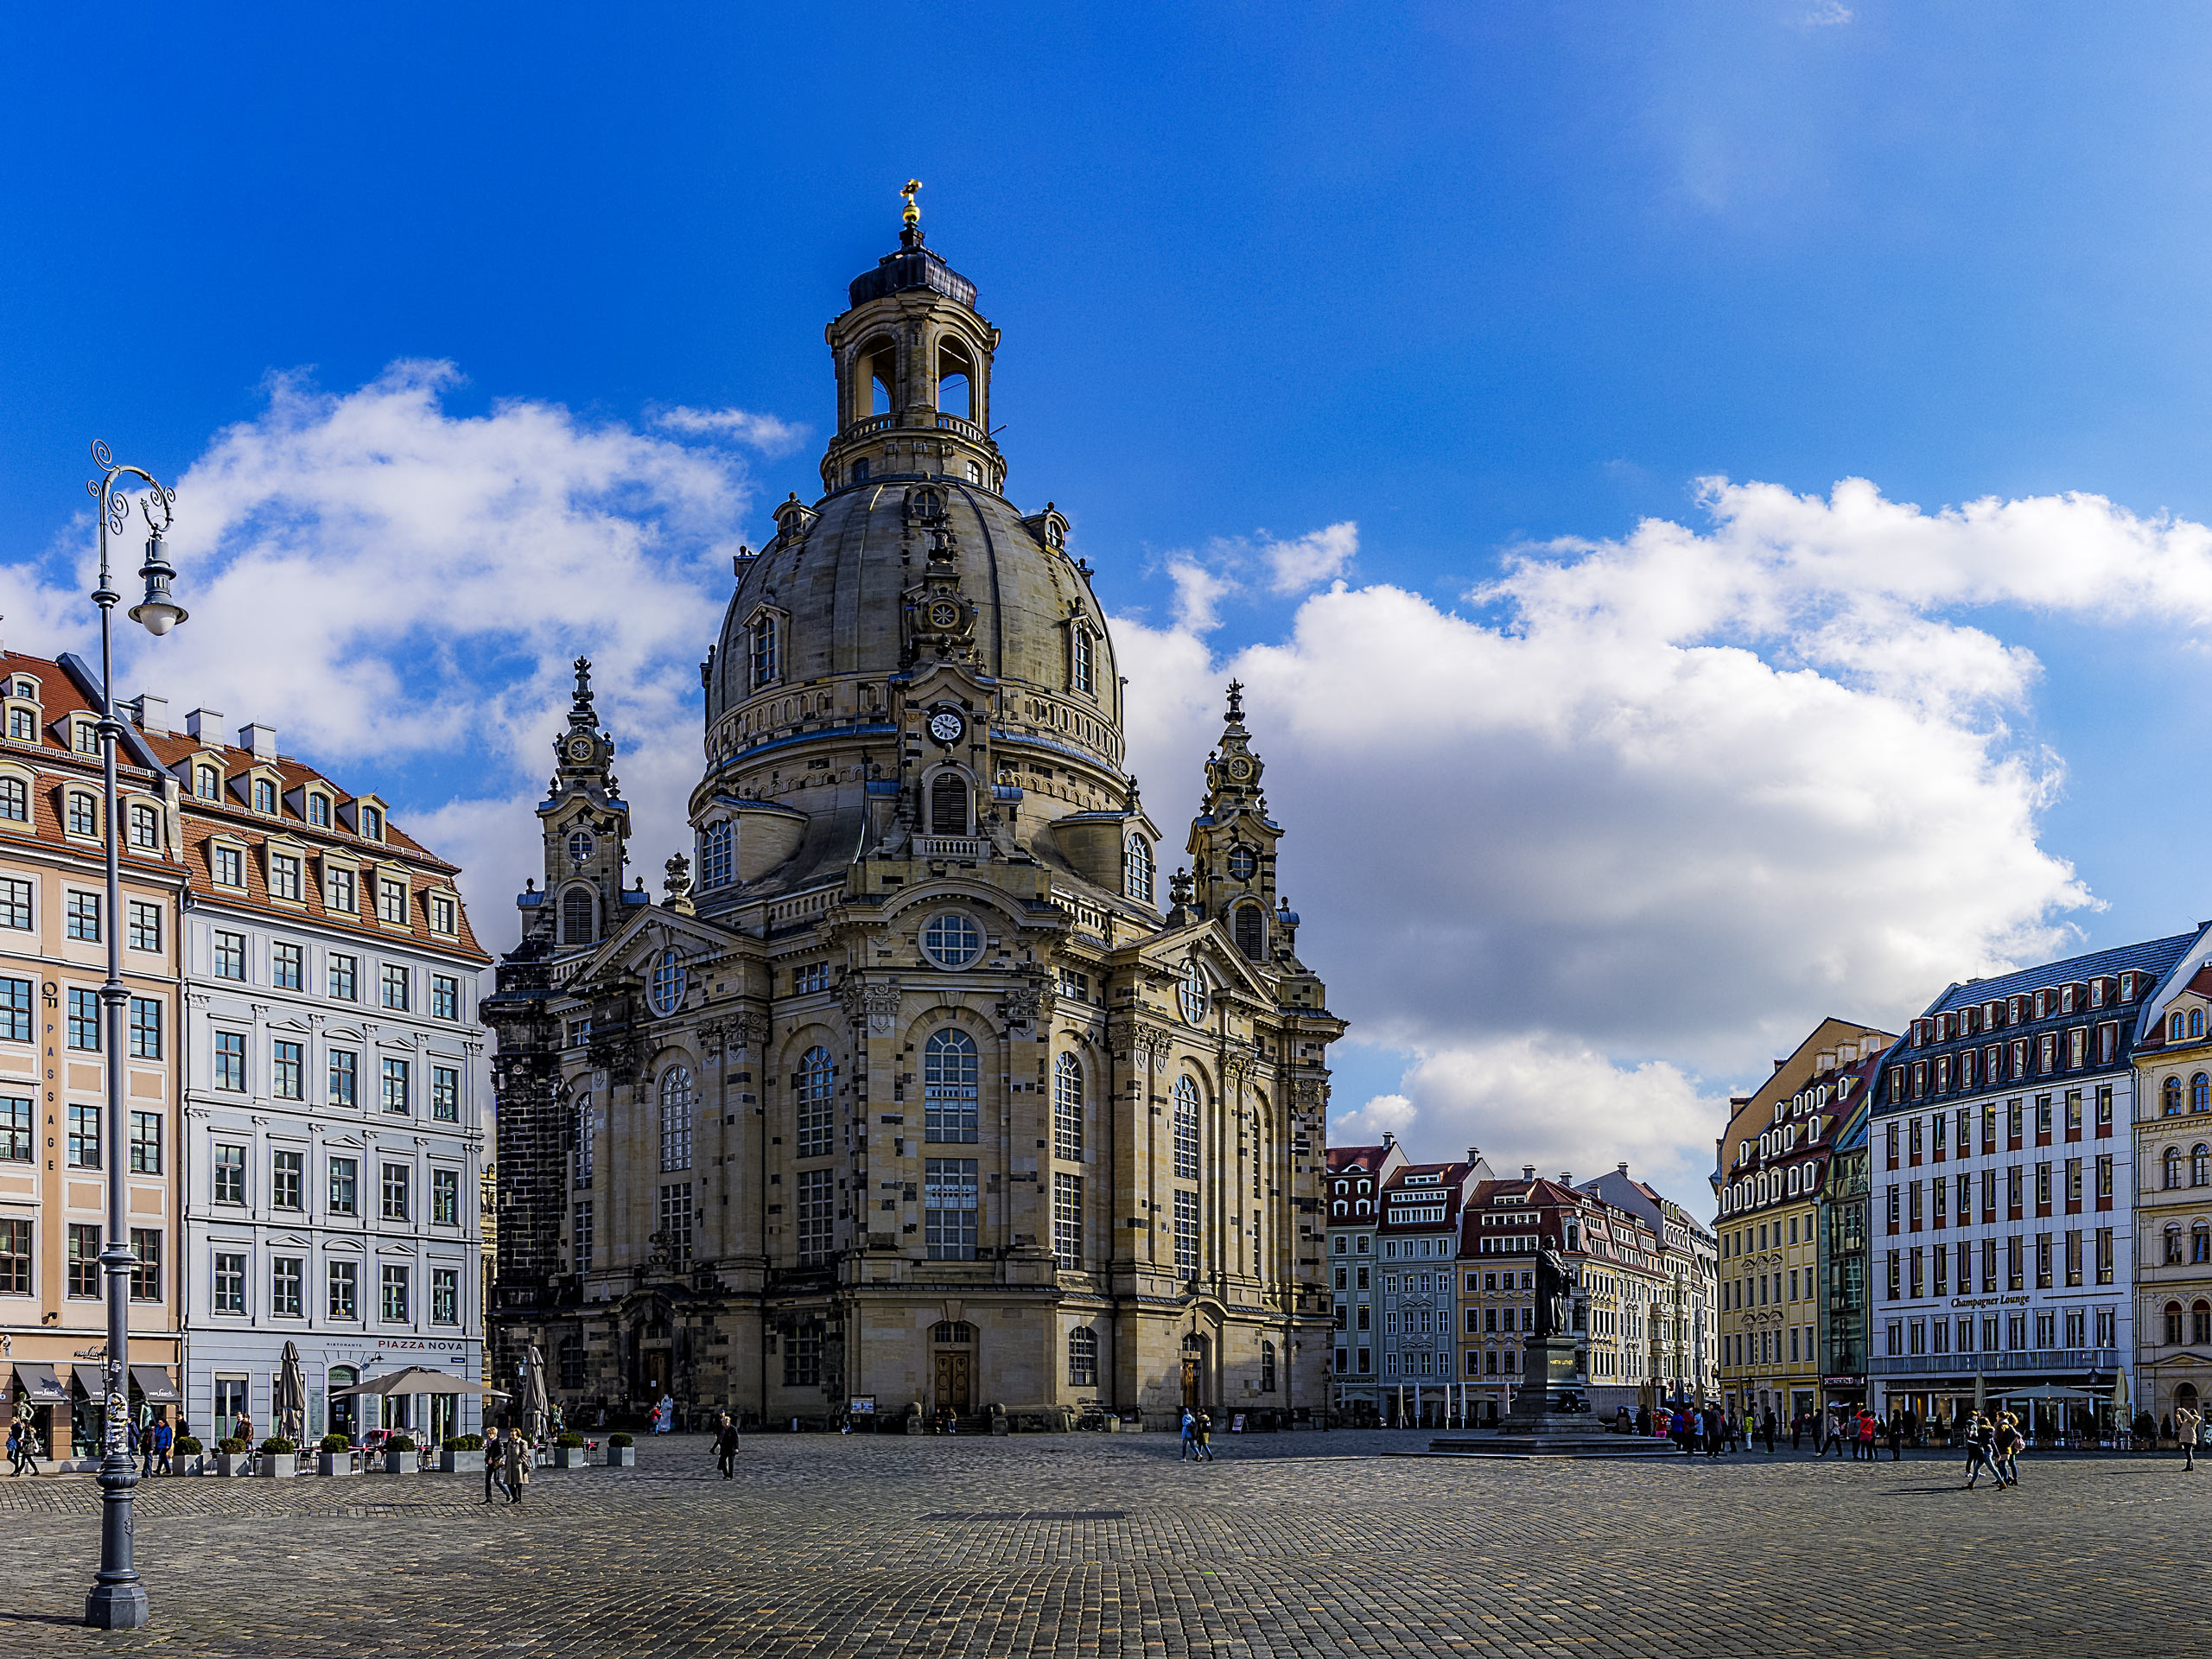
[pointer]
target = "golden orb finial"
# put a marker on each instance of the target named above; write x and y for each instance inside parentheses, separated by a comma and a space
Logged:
(912, 215)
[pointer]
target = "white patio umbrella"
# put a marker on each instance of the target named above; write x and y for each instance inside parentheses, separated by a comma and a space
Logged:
(291, 1402)
(419, 1379)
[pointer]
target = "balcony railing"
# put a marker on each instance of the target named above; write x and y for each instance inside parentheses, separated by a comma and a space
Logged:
(971, 846)
(2069, 1360)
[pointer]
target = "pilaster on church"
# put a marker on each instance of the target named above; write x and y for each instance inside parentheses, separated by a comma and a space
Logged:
(907, 1091)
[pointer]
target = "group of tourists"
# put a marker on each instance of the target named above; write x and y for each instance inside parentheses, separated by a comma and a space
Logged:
(1993, 1447)
(507, 1457)
(1197, 1436)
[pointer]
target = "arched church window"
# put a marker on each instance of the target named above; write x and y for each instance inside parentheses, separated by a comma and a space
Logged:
(816, 1088)
(1136, 869)
(948, 804)
(676, 1118)
(1083, 1357)
(583, 1141)
(579, 912)
(1267, 1368)
(716, 866)
(1082, 651)
(1251, 932)
(1186, 1130)
(948, 1087)
(767, 650)
(1067, 1109)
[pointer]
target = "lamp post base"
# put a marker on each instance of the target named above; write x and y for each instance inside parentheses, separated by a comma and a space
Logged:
(118, 1607)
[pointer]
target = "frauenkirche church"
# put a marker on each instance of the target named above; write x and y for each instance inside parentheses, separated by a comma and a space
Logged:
(907, 1093)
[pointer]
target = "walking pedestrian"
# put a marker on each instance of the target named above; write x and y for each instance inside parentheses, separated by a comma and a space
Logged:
(15, 1448)
(27, 1449)
(495, 1455)
(1768, 1424)
(1695, 1439)
(1978, 1458)
(2009, 1441)
(1716, 1433)
(518, 1461)
(1189, 1450)
(1866, 1435)
(1897, 1437)
(1205, 1436)
(726, 1447)
(1796, 1431)
(2187, 1421)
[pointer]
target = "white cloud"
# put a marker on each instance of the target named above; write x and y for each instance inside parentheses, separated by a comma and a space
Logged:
(766, 433)
(1198, 592)
(1606, 846)
(1311, 560)
(1826, 13)
(399, 591)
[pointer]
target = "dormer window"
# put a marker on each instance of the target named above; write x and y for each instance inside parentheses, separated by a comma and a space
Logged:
(84, 736)
(372, 825)
(319, 811)
(208, 782)
(1136, 869)
(1081, 653)
(228, 864)
(717, 845)
(443, 913)
(2127, 988)
(26, 688)
(84, 813)
(264, 797)
(145, 826)
(767, 649)
(391, 902)
(23, 725)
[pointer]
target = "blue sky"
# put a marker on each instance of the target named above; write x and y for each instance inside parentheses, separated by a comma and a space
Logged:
(1469, 281)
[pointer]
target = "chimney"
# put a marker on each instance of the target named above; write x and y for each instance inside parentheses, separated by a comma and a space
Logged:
(259, 737)
(1474, 1154)
(1389, 1140)
(1624, 1168)
(205, 725)
(153, 714)
(1565, 1177)
(1528, 1171)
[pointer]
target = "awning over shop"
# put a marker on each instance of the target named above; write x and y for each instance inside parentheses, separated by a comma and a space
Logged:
(39, 1384)
(154, 1382)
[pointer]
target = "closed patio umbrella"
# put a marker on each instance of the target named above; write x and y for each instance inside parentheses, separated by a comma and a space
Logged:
(531, 1402)
(291, 1402)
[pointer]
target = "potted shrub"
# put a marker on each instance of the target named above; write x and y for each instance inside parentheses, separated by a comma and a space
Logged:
(463, 1454)
(399, 1455)
(279, 1458)
(621, 1451)
(569, 1451)
(230, 1456)
(188, 1446)
(333, 1455)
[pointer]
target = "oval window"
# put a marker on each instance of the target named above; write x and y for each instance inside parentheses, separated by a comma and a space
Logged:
(667, 987)
(1192, 993)
(952, 940)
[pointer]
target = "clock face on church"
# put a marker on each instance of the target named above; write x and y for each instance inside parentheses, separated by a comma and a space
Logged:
(579, 748)
(1240, 768)
(946, 726)
(945, 614)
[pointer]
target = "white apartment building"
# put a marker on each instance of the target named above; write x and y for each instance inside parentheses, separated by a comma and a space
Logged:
(335, 1083)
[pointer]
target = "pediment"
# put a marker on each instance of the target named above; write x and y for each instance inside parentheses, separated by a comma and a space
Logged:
(1166, 952)
(634, 945)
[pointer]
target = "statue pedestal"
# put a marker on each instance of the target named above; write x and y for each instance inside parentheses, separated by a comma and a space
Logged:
(1537, 1427)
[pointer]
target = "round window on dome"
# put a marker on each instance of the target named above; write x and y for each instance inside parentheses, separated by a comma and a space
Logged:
(952, 940)
(1192, 993)
(666, 989)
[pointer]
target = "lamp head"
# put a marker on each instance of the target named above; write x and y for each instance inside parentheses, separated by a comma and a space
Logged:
(157, 612)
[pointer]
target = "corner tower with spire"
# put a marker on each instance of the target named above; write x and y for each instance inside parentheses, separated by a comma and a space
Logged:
(908, 1090)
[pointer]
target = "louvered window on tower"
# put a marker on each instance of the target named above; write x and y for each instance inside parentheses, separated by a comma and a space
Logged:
(1251, 932)
(948, 804)
(577, 916)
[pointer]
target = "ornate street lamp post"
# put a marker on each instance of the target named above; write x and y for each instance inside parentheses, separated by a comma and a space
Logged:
(117, 1600)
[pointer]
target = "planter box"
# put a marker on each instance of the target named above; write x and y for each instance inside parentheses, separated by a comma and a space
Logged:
(227, 1465)
(621, 1456)
(278, 1465)
(462, 1463)
(401, 1463)
(334, 1463)
(571, 1456)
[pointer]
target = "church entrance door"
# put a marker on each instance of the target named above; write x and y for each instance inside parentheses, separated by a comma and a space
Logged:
(956, 1383)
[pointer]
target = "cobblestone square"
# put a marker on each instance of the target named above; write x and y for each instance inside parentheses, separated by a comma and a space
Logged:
(1089, 1545)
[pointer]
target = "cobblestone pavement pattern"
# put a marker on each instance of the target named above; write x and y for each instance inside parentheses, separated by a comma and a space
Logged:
(1098, 1546)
